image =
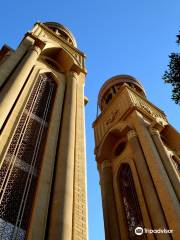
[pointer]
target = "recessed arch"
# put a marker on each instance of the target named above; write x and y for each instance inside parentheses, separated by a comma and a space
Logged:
(119, 148)
(53, 64)
(117, 134)
(109, 143)
(63, 58)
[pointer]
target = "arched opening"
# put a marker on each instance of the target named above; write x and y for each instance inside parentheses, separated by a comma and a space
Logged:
(130, 201)
(22, 162)
(59, 58)
(117, 135)
(119, 148)
(108, 98)
(53, 64)
(109, 148)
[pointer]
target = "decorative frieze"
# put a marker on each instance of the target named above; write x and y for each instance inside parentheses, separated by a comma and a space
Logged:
(147, 107)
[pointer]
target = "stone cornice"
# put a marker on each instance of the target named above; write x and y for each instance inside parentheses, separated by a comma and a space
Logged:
(49, 31)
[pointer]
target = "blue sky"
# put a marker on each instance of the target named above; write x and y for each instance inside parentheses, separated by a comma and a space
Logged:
(118, 36)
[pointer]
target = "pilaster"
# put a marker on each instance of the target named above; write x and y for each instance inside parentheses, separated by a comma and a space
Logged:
(60, 227)
(151, 197)
(79, 200)
(158, 173)
(11, 62)
(108, 200)
(167, 162)
(12, 89)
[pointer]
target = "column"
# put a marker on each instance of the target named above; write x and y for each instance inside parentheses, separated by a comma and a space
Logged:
(61, 215)
(170, 169)
(79, 206)
(166, 193)
(10, 63)
(12, 89)
(109, 207)
(151, 198)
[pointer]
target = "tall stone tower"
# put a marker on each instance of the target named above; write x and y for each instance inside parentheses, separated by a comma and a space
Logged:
(42, 142)
(138, 157)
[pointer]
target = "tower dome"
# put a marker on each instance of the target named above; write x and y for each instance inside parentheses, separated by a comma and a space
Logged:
(62, 31)
(113, 85)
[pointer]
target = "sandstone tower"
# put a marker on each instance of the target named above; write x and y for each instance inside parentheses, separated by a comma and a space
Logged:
(138, 157)
(42, 142)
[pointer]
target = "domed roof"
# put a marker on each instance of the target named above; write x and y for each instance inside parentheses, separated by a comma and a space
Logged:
(62, 31)
(119, 80)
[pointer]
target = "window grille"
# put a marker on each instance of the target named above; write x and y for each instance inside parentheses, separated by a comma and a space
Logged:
(21, 164)
(130, 202)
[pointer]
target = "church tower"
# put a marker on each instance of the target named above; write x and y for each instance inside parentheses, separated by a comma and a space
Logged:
(138, 156)
(42, 141)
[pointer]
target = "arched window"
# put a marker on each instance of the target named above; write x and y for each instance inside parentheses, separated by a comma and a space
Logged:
(119, 148)
(130, 202)
(21, 165)
(108, 98)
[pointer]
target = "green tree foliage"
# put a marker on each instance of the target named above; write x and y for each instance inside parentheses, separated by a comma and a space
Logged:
(172, 75)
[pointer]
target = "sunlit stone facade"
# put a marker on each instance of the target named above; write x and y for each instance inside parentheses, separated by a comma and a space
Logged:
(138, 156)
(42, 141)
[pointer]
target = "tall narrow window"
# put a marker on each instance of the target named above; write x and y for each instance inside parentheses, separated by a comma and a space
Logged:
(130, 202)
(21, 164)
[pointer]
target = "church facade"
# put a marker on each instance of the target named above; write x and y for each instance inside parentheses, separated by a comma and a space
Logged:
(42, 141)
(138, 156)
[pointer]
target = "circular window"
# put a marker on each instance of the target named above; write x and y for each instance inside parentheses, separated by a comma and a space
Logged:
(119, 149)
